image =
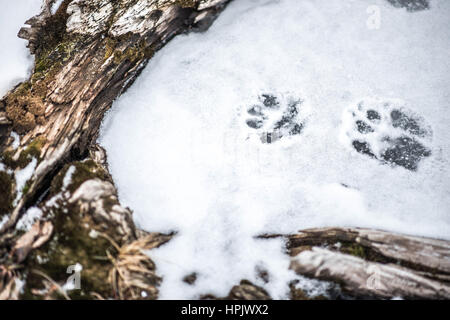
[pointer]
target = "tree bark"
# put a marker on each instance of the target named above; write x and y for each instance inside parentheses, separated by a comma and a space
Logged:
(87, 54)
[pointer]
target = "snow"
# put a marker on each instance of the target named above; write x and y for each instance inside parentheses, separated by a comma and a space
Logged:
(27, 220)
(93, 234)
(20, 285)
(184, 159)
(16, 143)
(68, 176)
(22, 176)
(314, 288)
(56, 5)
(3, 220)
(15, 59)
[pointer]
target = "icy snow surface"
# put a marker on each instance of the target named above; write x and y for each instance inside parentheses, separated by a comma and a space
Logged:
(27, 220)
(188, 143)
(15, 59)
(55, 6)
(22, 176)
(68, 177)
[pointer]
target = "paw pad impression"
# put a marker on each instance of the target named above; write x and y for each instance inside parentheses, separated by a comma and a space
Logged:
(387, 131)
(274, 116)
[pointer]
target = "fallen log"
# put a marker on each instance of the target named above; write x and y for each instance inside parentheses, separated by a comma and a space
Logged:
(372, 263)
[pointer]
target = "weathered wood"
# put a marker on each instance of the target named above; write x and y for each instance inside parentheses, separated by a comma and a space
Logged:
(374, 263)
(245, 290)
(417, 252)
(100, 50)
(371, 279)
(39, 233)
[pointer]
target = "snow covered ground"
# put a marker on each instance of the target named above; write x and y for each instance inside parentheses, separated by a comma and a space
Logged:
(353, 96)
(15, 59)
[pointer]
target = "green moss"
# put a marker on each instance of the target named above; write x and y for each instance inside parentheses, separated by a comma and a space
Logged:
(57, 181)
(71, 243)
(356, 250)
(110, 45)
(131, 54)
(53, 32)
(187, 3)
(54, 46)
(42, 65)
(366, 253)
(134, 53)
(84, 170)
(26, 187)
(33, 150)
(7, 158)
(6, 193)
(48, 63)
(22, 89)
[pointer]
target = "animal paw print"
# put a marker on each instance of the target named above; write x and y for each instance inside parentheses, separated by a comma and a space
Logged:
(389, 132)
(411, 5)
(275, 116)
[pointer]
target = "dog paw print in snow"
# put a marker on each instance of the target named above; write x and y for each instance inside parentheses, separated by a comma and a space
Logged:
(387, 131)
(274, 116)
(411, 5)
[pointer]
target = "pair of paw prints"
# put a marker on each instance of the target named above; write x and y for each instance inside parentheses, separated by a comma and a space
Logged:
(389, 132)
(275, 116)
(382, 129)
